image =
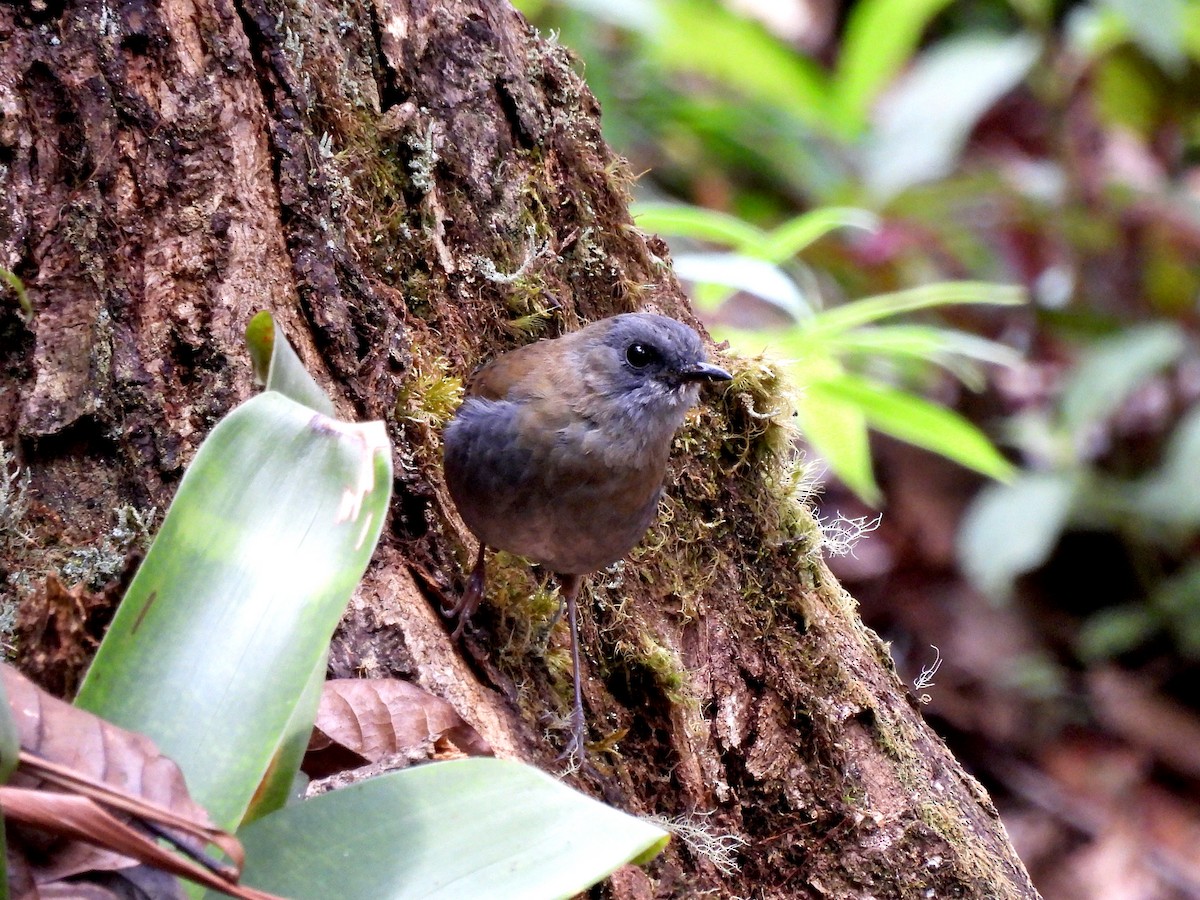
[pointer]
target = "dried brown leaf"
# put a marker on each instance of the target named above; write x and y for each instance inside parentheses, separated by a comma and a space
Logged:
(58, 733)
(83, 819)
(77, 773)
(363, 721)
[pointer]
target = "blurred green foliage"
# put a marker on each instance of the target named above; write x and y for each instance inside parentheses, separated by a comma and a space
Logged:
(1048, 144)
(835, 403)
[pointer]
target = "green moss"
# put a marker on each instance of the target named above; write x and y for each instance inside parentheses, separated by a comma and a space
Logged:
(429, 395)
(663, 664)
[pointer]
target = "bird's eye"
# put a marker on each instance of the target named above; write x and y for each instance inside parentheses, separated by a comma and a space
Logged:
(640, 355)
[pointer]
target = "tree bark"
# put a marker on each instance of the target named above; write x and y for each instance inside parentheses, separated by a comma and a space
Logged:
(412, 187)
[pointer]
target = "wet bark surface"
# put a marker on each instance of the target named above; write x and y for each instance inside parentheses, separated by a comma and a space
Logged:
(413, 187)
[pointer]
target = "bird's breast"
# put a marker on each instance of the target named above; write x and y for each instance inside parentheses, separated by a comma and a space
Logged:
(553, 486)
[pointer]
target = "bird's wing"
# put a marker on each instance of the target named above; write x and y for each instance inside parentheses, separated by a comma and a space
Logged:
(524, 373)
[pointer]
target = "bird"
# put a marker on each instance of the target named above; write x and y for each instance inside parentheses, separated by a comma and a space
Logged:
(559, 450)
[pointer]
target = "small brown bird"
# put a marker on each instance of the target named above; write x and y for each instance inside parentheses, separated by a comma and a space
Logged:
(559, 450)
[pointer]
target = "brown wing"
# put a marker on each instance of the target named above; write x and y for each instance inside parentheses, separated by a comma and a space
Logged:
(524, 372)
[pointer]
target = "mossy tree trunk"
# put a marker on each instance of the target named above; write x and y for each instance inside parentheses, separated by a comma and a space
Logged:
(413, 187)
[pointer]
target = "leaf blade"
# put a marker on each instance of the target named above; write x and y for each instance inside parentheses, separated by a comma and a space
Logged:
(531, 837)
(234, 605)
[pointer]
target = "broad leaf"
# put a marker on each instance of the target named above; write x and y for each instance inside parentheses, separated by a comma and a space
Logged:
(926, 118)
(231, 612)
(1114, 368)
(468, 828)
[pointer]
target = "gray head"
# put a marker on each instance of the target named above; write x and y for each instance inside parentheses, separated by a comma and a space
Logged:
(652, 364)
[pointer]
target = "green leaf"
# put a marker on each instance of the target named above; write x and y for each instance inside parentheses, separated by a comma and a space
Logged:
(917, 421)
(958, 352)
(10, 739)
(922, 127)
(1114, 631)
(735, 272)
(837, 431)
(736, 53)
(1169, 495)
(469, 828)
(881, 36)
(233, 608)
(1113, 369)
(18, 287)
(1011, 529)
(278, 368)
(926, 342)
(278, 785)
(698, 223)
(1177, 602)
(794, 236)
(780, 245)
(945, 293)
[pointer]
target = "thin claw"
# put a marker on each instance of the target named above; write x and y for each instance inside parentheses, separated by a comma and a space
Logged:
(471, 597)
(576, 748)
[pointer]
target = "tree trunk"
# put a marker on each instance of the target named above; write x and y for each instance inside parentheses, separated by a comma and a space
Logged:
(413, 187)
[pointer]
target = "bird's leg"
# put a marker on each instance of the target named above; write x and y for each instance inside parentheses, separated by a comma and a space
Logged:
(471, 596)
(575, 750)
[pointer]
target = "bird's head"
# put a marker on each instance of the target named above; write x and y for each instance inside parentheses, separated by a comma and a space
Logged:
(646, 364)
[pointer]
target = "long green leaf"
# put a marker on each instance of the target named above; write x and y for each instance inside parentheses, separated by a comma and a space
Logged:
(917, 421)
(18, 288)
(881, 36)
(739, 54)
(794, 236)
(837, 431)
(231, 612)
(698, 223)
(469, 828)
(947, 293)
(926, 342)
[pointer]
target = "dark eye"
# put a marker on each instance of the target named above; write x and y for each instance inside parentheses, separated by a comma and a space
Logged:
(640, 355)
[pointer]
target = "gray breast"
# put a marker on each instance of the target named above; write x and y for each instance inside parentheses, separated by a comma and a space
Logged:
(558, 502)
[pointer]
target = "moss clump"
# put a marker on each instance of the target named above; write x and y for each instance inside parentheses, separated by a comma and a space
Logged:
(429, 394)
(663, 664)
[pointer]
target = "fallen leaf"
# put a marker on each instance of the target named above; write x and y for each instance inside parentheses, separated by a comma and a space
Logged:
(362, 721)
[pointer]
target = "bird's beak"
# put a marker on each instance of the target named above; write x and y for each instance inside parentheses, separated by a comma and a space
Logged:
(703, 372)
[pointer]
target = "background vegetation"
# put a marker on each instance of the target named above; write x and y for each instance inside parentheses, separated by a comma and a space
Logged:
(838, 151)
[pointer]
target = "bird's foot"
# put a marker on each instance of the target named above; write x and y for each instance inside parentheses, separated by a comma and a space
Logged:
(574, 754)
